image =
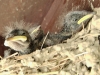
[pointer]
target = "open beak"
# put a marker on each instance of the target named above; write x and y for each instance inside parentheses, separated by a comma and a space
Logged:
(16, 38)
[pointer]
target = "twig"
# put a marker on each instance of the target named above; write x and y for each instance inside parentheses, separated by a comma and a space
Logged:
(81, 54)
(90, 35)
(89, 27)
(44, 39)
(12, 55)
(11, 66)
(49, 73)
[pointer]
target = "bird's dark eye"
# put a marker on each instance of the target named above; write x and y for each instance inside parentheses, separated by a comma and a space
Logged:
(23, 33)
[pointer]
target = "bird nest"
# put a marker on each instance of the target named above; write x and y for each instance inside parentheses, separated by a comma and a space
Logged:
(78, 55)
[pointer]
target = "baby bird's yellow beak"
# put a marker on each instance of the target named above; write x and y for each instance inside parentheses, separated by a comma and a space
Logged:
(16, 38)
(84, 18)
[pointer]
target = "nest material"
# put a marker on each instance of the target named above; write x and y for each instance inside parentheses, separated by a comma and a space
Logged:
(79, 56)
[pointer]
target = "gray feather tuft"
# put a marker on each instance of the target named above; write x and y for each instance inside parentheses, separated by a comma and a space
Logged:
(21, 25)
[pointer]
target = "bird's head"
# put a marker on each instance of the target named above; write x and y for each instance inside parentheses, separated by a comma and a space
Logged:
(18, 39)
(19, 36)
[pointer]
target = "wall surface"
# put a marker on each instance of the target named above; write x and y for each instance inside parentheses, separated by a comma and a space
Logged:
(47, 13)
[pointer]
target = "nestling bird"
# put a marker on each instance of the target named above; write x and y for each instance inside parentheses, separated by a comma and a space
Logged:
(70, 26)
(19, 37)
